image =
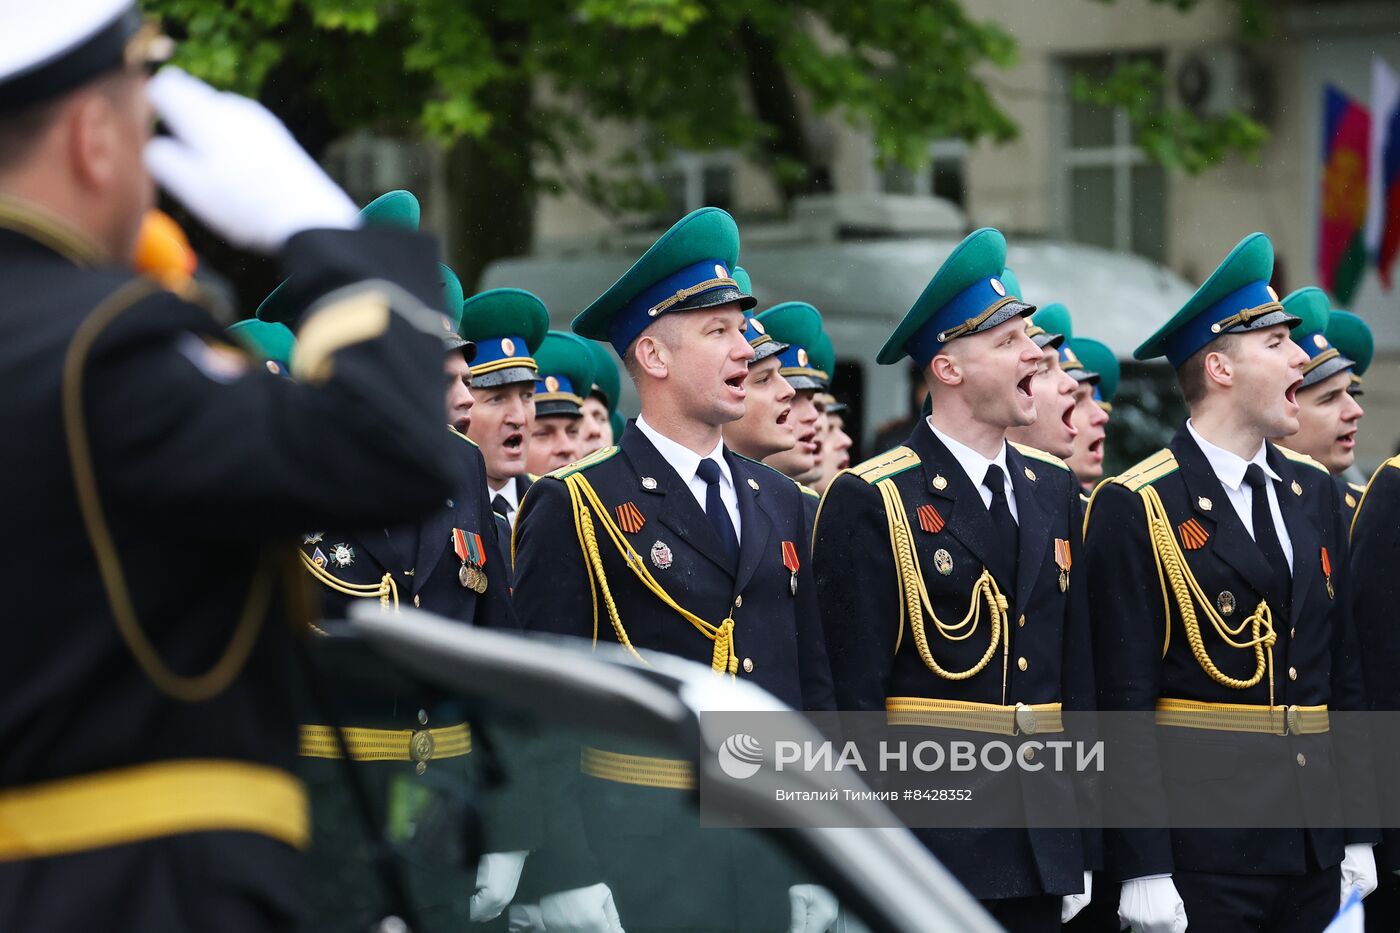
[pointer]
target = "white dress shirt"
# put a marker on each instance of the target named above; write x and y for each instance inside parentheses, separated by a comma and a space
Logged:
(1229, 468)
(686, 463)
(510, 492)
(975, 466)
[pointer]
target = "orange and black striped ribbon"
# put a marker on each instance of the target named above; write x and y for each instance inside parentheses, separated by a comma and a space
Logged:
(930, 520)
(630, 518)
(1193, 535)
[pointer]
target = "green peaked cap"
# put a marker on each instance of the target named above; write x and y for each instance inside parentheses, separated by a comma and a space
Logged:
(566, 374)
(606, 379)
(687, 269)
(271, 343)
(1012, 283)
(823, 355)
(507, 325)
(964, 297)
(397, 209)
(1051, 326)
(741, 275)
(618, 423)
(1097, 357)
(1238, 285)
(799, 325)
(1313, 309)
(1351, 334)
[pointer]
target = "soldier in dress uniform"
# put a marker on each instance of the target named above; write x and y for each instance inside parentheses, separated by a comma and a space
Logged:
(833, 443)
(799, 326)
(703, 554)
(1231, 530)
(1052, 387)
(149, 718)
(601, 402)
(507, 325)
(764, 430)
(565, 373)
(1093, 405)
(992, 525)
(1328, 413)
(1352, 337)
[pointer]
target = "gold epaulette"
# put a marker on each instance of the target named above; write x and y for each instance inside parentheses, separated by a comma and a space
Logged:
(809, 491)
(1301, 458)
(1392, 462)
(459, 434)
(1035, 453)
(888, 464)
(1146, 472)
(593, 459)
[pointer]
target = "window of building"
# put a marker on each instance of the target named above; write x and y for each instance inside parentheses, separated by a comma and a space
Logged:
(691, 180)
(1113, 195)
(942, 177)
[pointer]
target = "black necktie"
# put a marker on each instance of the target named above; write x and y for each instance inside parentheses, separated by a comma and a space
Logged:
(715, 510)
(1265, 534)
(501, 506)
(1008, 534)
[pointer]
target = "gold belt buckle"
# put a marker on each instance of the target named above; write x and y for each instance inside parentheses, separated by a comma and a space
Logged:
(1025, 719)
(420, 749)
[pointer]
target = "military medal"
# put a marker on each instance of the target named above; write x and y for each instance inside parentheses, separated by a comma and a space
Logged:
(472, 573)
(318, 557)
(630, 518)
(1327, 572)
(929, 519)
(940, 483)
(791, 562)
(1297, 488)
(1193, 534)
(342, 555)
(1063, 559)
(1226, 602)
(661, 555)
(943, 561)
(313, 538)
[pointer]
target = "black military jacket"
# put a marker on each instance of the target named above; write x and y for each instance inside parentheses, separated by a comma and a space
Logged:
(873, 659)
(1374, 586)
(1314, 663)
(204, 464)
(777, 632)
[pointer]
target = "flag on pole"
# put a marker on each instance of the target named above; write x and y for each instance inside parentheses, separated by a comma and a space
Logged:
(1383, 216)
(1341, 246)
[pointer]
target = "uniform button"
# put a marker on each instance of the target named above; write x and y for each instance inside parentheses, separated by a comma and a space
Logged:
(748, 665)
(738, 602)
(1022, 663)
(1302, 760)
(423, 717)
(451, 504)
(416, 600)
(1028, 753)
(1293, 633)
(1293, 673)
(1021, 622)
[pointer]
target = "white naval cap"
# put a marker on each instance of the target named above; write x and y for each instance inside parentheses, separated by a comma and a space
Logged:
(50, 48)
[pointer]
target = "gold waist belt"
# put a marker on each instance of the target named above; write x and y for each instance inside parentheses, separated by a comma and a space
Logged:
(416, 745)
(1021, 719)
(1242, 717)
(675, 773)
(149, 801)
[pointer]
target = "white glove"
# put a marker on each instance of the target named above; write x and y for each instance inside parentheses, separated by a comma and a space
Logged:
(1072, 904)
(497, 875)
(1151, 905)
(235, 166)
(581, 910)
(525, 918)
(814, 908)
(1359, 870)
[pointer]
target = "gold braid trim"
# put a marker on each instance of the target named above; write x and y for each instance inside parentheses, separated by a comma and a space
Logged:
(1172, 570)
(386, 590)
(588, 508)
(914, 598)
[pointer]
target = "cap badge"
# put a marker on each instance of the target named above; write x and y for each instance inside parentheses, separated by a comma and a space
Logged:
(507, 346)
(551, 384)
(997, 287)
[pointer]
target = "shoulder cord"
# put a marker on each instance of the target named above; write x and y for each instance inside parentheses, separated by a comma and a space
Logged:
(914, 597)
(386, 589)
(586, 505)
(186, 689)
(1173, 570)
